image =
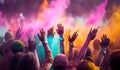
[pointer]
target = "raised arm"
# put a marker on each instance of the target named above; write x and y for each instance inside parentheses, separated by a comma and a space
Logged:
(50, 36)
(83, 50)
(32, 48)
(104, 44)
(50, 32)
(48, 55)
(71, 50)
(71, 45)
(19, 33)
(60, 31)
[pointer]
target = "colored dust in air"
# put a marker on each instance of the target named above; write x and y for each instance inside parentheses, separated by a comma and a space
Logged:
(54, 12)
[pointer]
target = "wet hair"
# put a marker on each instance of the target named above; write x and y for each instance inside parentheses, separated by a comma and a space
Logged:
(14, 61)
(17, 46)
(27, 62)
(115, 60)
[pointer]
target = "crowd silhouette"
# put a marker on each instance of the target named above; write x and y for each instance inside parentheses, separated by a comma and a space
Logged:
(15, 55)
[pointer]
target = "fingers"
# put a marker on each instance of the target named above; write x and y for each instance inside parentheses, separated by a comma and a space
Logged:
(31, 44)
(51, 32)
(74, 36)
(60, 29)
(104, 38)
(60, 26)
(105, 41)
(92, 33)
(19, 29)
(42, 35)
(30, 39)
(98, 27)
(19, 33)
(22, 33)
(95, 31)
(42, 32)
(39, 34)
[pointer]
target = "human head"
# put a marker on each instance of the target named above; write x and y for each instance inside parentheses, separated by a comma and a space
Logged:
(86, 65)
(14, 61)
(8, 35)
(5, 48)
(17, 46)
(60, 62)
(96, 44)
(115, 60)
(27, 62)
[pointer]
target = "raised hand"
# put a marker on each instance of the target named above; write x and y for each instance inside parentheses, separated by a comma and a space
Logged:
(32, 48)
(91, 36)
(31, 44)
(74, 36)
(19, 33)
(42, 36)
(51, 32)
(104, 50)
(71, 45)
(104, 41)
(92, 33)
(60, 29)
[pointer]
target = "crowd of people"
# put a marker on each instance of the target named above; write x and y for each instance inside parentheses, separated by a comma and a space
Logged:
(15, 55)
